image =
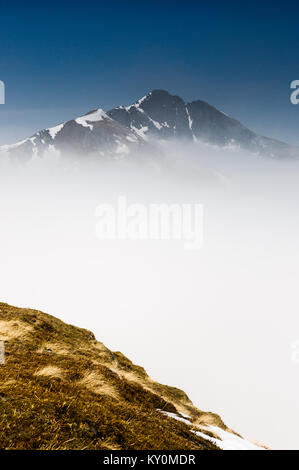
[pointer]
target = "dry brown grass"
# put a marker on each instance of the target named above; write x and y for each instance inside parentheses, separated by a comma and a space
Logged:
(50, 371)
(12, 329)
(56, 348)
(62, 389)
(96, 384)
(210, 419)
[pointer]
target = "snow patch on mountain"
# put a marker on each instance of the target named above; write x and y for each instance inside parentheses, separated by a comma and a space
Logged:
(95, 116)
(135, 105)
(141, 131)
(225, 440)
(13, 146)
(185, 420)
(53, 131)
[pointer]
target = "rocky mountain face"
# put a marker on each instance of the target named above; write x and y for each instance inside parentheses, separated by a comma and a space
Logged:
(165, 116)
(60, 388)
(158, 116)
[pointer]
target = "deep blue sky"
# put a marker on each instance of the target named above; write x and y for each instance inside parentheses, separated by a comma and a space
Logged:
(61, 59)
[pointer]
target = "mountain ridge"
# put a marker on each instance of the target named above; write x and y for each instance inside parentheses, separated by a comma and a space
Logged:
(157, 116)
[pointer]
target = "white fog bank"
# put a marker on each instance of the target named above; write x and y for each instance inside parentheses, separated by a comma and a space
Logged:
(218, 323)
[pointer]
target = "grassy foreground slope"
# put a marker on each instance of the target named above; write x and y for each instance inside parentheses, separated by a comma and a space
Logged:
(60, 388)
